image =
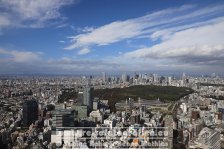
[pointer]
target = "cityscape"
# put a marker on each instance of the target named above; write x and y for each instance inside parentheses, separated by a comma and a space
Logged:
(56, 111)
(81, 74)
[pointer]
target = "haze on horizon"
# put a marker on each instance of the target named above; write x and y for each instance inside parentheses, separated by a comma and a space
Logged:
(82, 36)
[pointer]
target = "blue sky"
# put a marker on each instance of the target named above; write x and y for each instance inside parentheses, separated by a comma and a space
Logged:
(89, 36)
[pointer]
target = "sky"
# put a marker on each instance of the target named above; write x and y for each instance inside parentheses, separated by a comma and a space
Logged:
(94, 36)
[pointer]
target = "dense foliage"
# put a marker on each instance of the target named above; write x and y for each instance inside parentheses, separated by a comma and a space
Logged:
(165, 93)
(67, 94)
(150, 92)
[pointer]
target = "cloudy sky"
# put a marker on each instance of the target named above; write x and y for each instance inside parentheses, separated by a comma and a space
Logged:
(89, 36)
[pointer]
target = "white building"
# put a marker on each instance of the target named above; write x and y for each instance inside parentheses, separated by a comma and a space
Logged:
(96, 116)
(183, 106)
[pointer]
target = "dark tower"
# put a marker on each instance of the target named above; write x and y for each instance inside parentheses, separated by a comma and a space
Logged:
(88, 98)
(30, 112)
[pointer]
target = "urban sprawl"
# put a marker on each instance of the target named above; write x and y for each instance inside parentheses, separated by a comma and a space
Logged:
(41, 112)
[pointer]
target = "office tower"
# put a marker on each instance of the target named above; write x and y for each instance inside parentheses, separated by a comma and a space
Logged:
(124, 77)
(30, 112)
(104, 77)
(95, 103)
(88, 97)
(184, 77)
(169, 80)
(63, 118)
(155, 78)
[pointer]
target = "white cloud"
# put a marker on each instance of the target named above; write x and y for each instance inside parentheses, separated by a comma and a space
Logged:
(61, 25)
(83, 51)
(195, 45)
(187, 41)
(20, 56)
(87, 29)
(106, 34)
(118, 30)
(31, 13)
(146, 25)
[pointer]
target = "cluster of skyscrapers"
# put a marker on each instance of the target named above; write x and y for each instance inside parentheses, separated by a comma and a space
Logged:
(32, 116)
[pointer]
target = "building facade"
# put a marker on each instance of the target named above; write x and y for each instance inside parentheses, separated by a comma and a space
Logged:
(30, 112)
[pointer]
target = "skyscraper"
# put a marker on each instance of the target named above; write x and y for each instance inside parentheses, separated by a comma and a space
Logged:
(30, 112)
(124, 77)
(169, 80)
(155, 78)
(183, 76)
(63, 118)
(88, 97)
(104, 77)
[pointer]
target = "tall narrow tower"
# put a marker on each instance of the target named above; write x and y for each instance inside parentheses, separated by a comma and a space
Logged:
(88, 97)
(104, 77)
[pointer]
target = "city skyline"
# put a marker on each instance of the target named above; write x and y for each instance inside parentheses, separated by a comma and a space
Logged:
(80, 36)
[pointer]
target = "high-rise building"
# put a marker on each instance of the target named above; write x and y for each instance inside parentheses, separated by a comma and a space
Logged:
(124, 77)
(184, 78)
(81, 111)
(155, 78)
(169, 80)
(95, 103)
(104, 77)
(30, 112)
(88, 97)
(63, 118)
